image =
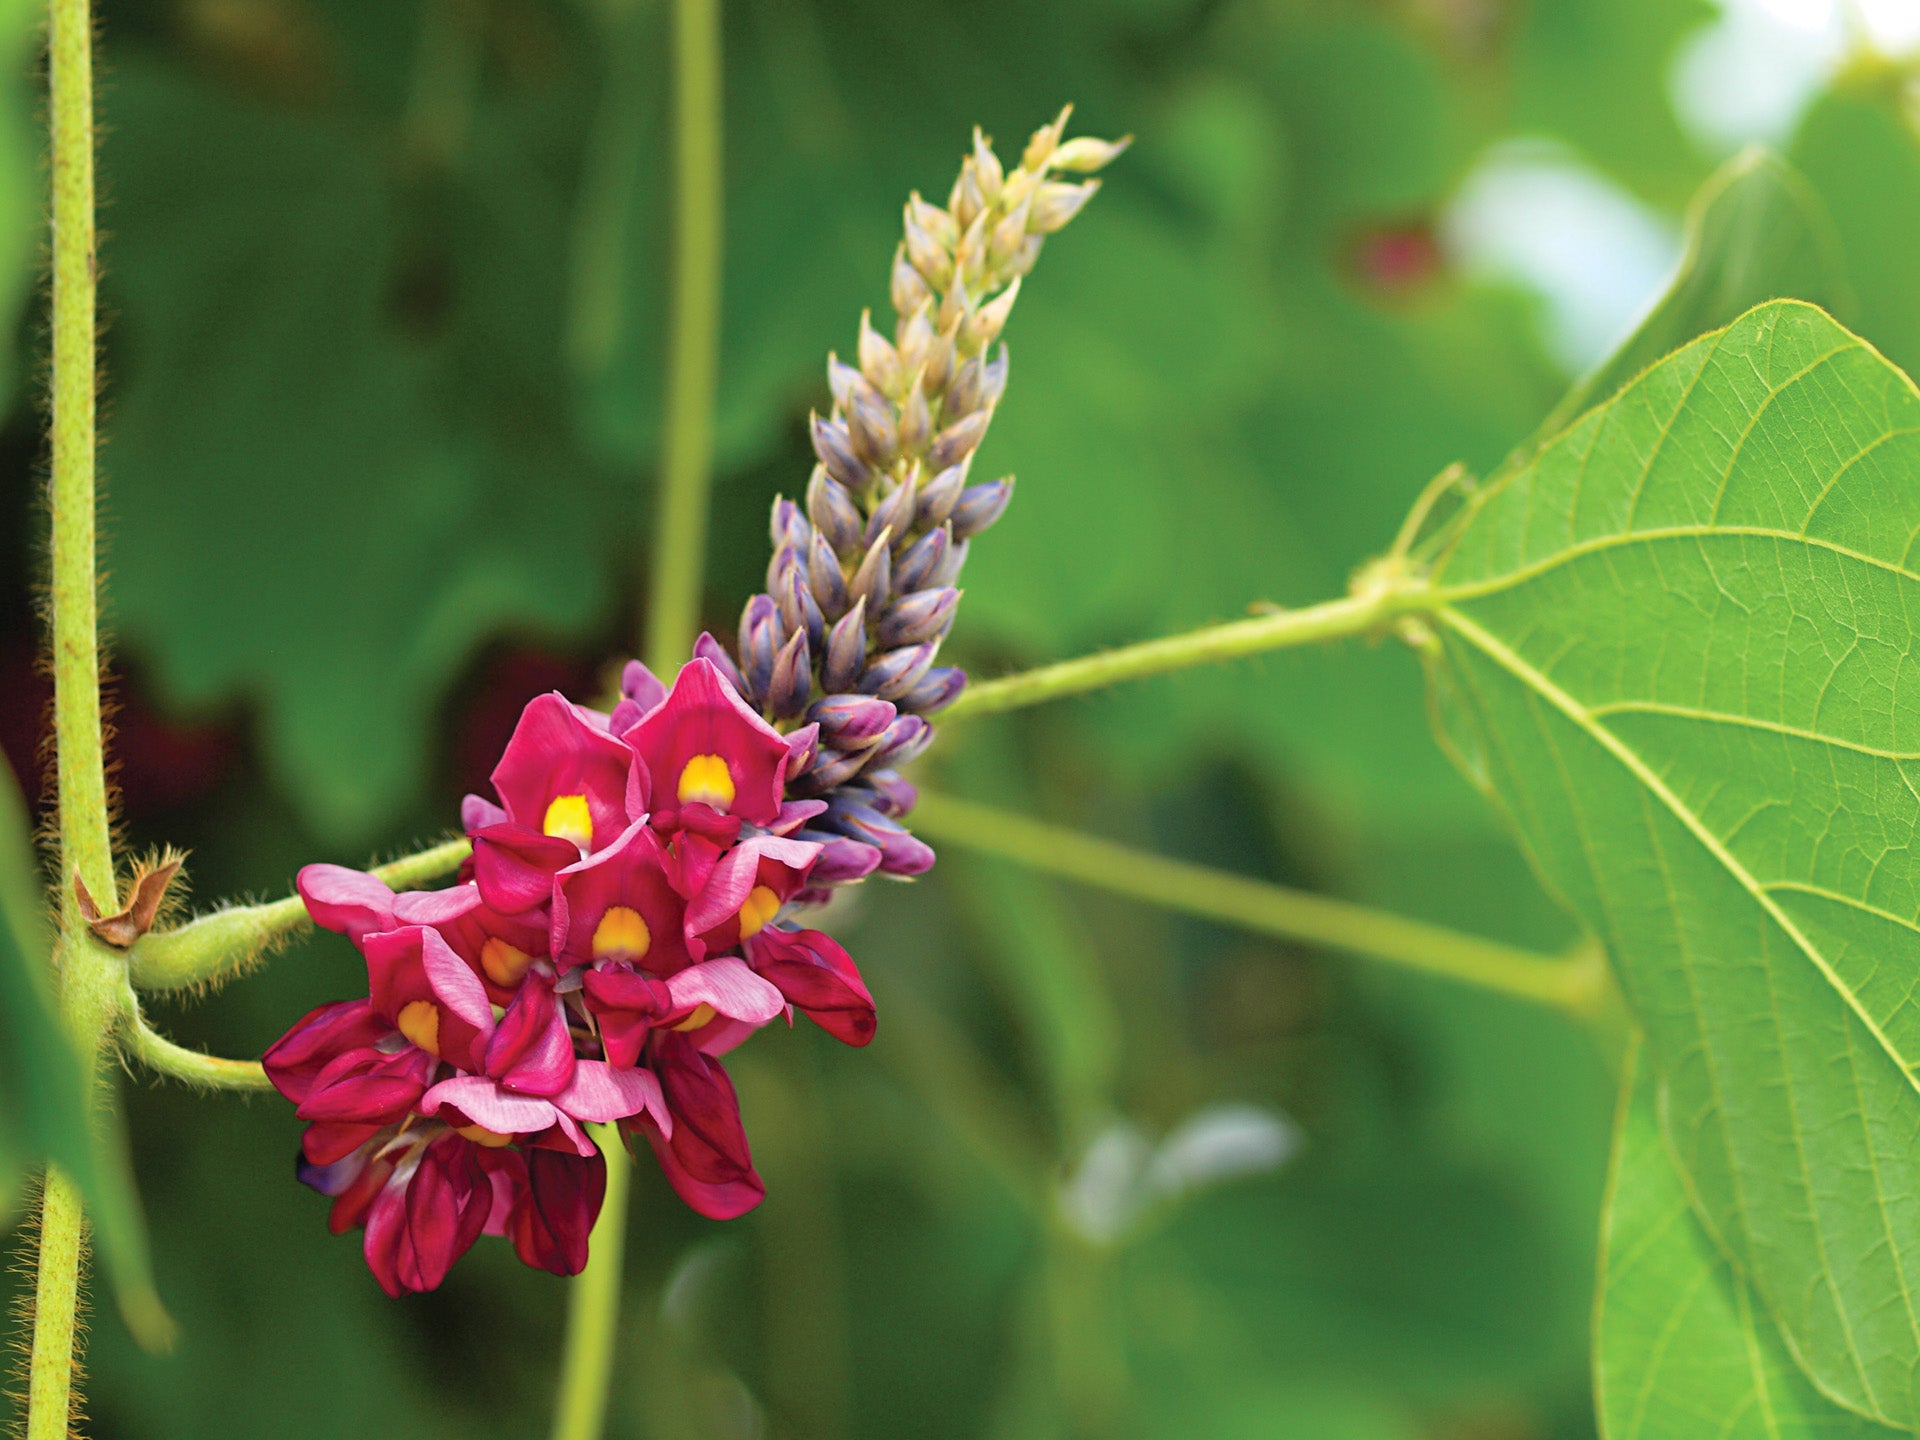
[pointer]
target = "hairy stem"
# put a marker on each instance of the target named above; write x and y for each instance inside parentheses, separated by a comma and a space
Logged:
(56, 1303)
(693, 357)
(217, 945)
(87, 968)
(1361, 614)
(1576, 985)
(209, 1072)
(593, 1312)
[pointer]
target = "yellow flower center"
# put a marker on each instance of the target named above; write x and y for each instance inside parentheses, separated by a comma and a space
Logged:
(503, 963)
(480, 1135)
(569, 819)
(762, 904)
(420, 1022)
(706, 778)
(701, 1015)
(621, 935)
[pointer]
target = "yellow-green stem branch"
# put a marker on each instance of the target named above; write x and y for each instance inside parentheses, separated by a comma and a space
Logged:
(593, 1310)
(1576, 984)
(217, 945)
(1366, 613)
(177, 1062)
(693, 355)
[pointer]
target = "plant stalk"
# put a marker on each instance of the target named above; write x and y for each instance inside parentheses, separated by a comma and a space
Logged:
(1576, 985)
(593, 1310)
(673, 608)
(1366, 613)
(86, 968)
(693, 357)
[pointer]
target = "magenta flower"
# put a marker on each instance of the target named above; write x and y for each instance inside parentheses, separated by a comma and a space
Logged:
(628, 922)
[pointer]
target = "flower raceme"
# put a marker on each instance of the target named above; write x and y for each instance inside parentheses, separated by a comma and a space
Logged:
(623, 923)
(625, 918)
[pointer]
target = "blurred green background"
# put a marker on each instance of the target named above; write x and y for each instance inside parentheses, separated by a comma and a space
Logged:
(384, 322)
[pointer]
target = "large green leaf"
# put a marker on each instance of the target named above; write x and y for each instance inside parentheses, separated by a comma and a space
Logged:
(1681, 1347)
(44, 1110)
(1678, 646)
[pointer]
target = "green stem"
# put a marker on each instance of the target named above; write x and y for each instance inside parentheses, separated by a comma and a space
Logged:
(216, 946)
(209, 1072)
(593, 1312)
(680, 538)
(673, 610)
(1361, 614)
(88, 971)
(1576, 985)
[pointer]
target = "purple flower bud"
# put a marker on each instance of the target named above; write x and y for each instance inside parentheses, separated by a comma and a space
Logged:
(910, 571)
(714, 653)
(916, 422)
(894, 513)
(788, 526)
(783, 562)
(761, 636)
(892, 795)
(873, 581)
(803, 748)
(993, 380)
(905, 740)
(833, 512)
(938, 495)
(825, 579)
(927, 254)
(879, 361)
(938, 688)
(873, 429)
(841, 860)
(917, 617)
(799, 611)
(833, 767)
(840, 378)
(958, 440)
(792, 679)
(851, 722)
(642, 686)
(948, 569)
(964, 394)
(937, 369)
(908, 287)
(835, 449)
(900, 853)
(846, 650)
(895, 672)
(979, 506)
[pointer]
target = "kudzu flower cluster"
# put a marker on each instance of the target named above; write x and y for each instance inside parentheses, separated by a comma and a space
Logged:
(628, 913)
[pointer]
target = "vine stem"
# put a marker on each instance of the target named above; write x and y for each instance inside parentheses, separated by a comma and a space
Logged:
(593, 1310)
(1576, 985)
(1367, 612)
(87, 969)
(693, 357)
(673, 607)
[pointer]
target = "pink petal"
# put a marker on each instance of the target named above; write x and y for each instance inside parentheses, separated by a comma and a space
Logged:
(483, 1102)
(454, 984)
(600, 1092)
(729, 987)
(350, 902)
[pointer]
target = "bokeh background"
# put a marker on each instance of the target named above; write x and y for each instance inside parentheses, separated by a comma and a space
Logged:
(384, 323)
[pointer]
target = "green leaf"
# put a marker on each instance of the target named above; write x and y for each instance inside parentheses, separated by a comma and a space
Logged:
(1678, 646)
(44, 1109)
(1682, 1348)
(1755, 231)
